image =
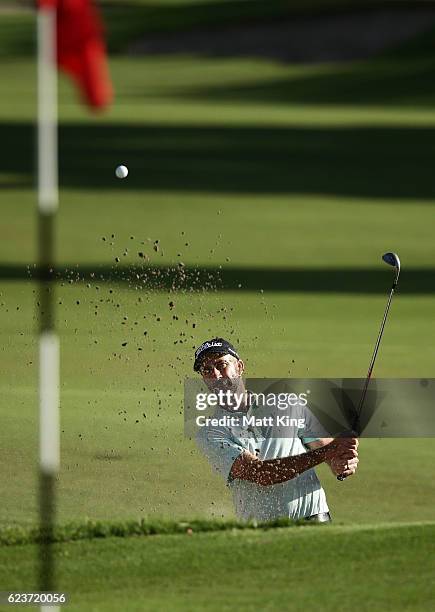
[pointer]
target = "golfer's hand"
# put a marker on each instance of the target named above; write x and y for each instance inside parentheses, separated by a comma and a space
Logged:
(345, 458)
(342, 466)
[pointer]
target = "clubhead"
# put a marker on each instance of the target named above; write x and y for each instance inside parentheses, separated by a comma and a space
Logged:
(392, 259)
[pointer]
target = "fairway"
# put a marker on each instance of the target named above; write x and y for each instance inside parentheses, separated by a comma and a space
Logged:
(260, 197)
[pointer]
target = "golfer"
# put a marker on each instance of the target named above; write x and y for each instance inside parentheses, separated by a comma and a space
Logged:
(269, 477)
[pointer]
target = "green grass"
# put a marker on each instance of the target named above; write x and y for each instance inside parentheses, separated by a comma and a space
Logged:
(282, 231)
(14, 535)
(381, 568)
(315, 186)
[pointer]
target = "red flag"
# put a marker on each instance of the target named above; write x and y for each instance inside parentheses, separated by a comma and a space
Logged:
(81, 50)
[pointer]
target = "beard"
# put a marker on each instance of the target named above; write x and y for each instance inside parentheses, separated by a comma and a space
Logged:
(224, 384)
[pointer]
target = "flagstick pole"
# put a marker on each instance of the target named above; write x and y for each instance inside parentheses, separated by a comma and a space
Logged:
(49, 445)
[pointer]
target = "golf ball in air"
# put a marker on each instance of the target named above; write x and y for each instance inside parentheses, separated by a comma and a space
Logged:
(121, 172)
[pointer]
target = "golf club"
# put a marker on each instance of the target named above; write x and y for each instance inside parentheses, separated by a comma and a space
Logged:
(392, 259)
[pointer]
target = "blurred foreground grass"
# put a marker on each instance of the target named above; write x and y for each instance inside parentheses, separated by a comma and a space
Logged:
(269, 569)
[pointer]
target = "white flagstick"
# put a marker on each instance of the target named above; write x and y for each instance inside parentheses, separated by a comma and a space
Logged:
(49, 446)
(47, 112)
(49, 450)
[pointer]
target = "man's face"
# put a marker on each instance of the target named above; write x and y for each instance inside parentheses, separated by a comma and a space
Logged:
(221, 372)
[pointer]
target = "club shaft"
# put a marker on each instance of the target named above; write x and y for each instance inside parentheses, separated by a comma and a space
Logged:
(356, 422)
(372, 362)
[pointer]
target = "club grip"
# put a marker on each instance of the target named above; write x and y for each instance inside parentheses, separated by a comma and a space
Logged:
(341, 477)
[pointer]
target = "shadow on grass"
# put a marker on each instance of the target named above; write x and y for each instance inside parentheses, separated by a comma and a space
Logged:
(356, 162)
(163, 278)
(384, 82)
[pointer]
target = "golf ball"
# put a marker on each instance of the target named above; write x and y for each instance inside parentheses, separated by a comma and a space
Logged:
(121, 172)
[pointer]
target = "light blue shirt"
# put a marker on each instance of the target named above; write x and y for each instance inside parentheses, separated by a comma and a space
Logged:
(300, 497)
